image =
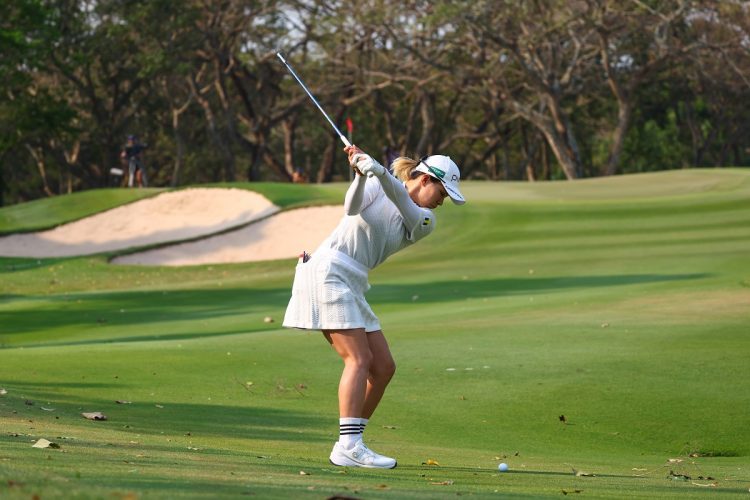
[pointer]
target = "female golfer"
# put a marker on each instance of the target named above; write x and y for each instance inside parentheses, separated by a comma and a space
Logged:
(384, 213)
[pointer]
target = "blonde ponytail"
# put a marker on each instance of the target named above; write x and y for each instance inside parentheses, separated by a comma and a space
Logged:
(403, 167)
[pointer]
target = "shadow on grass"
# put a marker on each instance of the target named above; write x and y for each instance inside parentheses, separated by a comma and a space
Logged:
(184, 420)
(14, 264)
(100, 312)
(499, 287)
(138, 338)
(137, 308)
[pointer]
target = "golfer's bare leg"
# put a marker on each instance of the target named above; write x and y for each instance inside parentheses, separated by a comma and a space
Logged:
(382, 369)
(354, 349)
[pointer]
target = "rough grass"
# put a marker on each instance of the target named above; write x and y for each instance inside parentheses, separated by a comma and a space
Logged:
(592, 335)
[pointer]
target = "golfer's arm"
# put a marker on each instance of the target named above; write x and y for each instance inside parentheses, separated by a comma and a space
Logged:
(355, 196)
(396, 192)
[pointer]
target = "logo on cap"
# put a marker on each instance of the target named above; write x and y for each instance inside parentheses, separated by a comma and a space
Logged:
(436, 171)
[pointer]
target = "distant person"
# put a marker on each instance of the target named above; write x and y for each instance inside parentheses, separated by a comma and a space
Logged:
(298, 176)
(132, 154)
(384, 213)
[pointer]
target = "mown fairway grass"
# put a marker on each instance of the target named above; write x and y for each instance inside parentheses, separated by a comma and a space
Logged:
(622, 304)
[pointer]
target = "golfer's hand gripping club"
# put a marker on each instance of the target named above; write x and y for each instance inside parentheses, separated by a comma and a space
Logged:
(364, 164)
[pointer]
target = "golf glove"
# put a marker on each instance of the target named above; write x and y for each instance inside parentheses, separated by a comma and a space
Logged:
(366, 165)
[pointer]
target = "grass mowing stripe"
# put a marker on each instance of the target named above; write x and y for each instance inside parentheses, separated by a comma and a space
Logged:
(629, 319)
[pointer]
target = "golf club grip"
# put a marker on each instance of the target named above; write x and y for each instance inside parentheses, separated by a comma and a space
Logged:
(348, 144)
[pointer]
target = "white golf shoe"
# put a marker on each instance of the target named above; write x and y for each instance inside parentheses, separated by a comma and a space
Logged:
(360, 456)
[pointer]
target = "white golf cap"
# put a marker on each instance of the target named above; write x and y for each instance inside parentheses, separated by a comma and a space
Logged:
(446, 171)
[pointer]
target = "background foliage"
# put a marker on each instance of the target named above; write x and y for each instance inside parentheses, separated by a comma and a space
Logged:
(540, 89)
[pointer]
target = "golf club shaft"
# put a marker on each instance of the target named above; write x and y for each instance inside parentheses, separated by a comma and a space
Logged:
(315, 101)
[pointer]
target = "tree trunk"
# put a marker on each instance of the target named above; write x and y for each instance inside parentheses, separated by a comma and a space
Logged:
(618, 137)
(219, 142)
(426, 111)
(562, 153)
(71, 160)
(39, 160)
(179, 157)
(326, 164)
(546, 175)
(529, 154)
(559, 136)
(507, 174)
(290, 126)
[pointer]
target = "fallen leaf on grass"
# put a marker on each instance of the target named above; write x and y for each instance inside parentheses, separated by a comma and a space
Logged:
(129, 496)
(443, 483)
(580, 473)
(709, 485)
(43, 443)
(97, 415)
(431, 462)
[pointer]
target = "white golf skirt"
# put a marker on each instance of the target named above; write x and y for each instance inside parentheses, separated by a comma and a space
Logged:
(329, 294)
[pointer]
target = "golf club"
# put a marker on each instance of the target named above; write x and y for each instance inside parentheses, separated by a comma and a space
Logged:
(315, 101)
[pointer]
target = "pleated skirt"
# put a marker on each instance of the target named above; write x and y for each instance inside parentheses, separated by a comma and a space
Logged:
(329, 294)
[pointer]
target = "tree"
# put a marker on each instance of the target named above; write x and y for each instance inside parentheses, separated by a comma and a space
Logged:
(30, 114)
(538, 57)
(637, 41)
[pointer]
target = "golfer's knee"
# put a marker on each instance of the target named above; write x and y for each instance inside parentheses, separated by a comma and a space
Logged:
(383, 370)
(361, 361)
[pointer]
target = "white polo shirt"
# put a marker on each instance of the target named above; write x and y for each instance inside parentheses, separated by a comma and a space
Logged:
(382, 220)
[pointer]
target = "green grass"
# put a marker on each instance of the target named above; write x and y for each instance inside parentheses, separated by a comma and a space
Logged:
(622, 304)
(293, 195)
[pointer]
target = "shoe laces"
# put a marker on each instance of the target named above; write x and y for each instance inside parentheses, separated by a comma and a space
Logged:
(364, 453)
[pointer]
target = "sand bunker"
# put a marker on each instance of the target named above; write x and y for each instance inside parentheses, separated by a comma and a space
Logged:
(172, 216)
(281, 236)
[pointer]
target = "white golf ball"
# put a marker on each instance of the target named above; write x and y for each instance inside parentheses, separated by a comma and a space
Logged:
(502, 467)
